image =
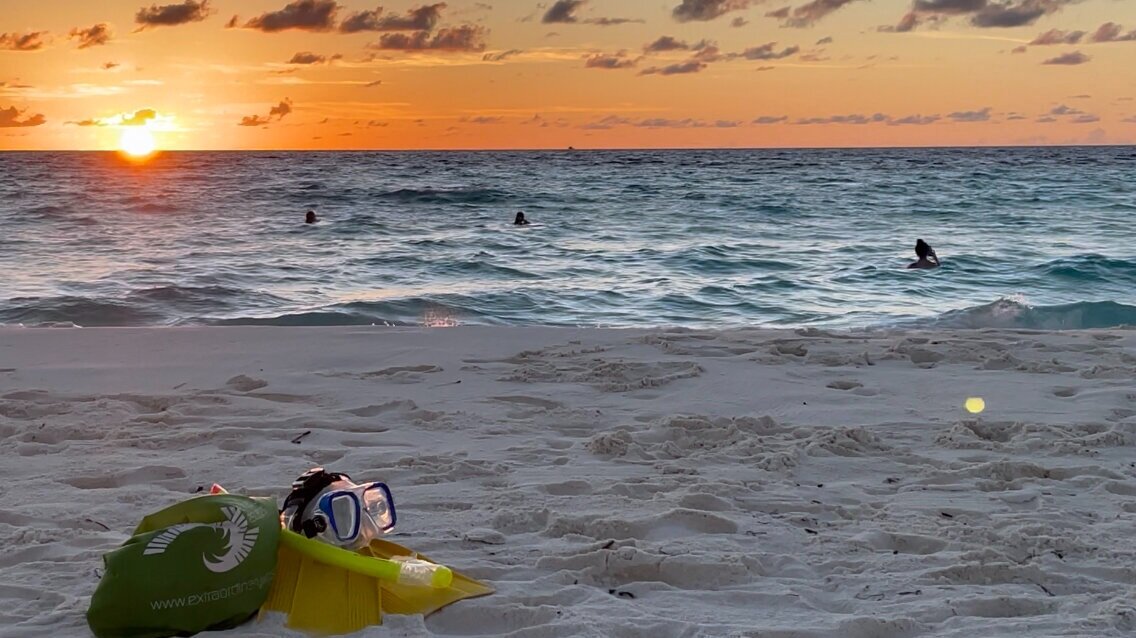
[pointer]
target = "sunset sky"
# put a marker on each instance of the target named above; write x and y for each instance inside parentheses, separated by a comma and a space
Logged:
(353, 74)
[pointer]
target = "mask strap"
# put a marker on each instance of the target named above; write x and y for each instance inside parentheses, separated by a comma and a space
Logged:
(304, 490)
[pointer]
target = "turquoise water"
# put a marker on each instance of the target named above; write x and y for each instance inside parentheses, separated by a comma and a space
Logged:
(1038, 238)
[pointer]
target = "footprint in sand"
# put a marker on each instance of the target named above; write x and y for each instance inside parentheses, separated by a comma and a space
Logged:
(394, 375)
(544, 404)
(141, 475)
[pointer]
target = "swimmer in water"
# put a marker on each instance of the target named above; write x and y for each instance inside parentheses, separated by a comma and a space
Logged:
(311, 218)
(926, 255)
(520, 220)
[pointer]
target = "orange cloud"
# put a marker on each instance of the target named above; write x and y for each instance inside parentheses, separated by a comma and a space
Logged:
(32, 41)
(171, 15)
(9, 118)
(92, 36)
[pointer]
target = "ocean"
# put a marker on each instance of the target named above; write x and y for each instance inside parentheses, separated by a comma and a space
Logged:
(1029, 238)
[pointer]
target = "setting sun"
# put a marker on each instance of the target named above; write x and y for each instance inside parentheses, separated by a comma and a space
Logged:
(137, 142)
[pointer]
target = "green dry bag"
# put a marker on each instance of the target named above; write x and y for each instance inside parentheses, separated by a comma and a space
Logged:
(205, 563)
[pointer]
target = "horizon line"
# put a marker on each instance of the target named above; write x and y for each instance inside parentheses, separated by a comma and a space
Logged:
(588, 149)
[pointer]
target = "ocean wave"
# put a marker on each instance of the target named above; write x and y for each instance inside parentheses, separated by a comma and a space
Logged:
(411, 311)
(1016, 314)
(1092, 267)
(79, 311)
(445, 196)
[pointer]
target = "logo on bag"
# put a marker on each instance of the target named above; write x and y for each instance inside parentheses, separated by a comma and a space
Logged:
(239, 540)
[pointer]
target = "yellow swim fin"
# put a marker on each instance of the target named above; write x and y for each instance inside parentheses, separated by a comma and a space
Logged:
(327, 590)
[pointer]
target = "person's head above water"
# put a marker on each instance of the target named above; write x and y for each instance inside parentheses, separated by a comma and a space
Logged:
(310, 218)
(520, 219)
(922, 249)
(926, 255)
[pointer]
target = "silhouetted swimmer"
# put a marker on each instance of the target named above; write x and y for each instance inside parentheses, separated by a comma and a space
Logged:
(520, 220)
(311, 218)
(926, 255)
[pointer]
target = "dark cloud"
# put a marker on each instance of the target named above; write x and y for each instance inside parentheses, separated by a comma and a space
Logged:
(706, 51)
(914, 120)
(610, 22)
(1062, 109)
(278, 111)
(666, 43)
(362, 21)
(171, 15)
(88, 123)
(374, 84)
(564, 12)
(983, 13)
(107, 66)
(1007, 15)
(10, 118)
(307, 57)
(501, 56)
(32, 41)
(305, 15)
(1069, 59)
(770, 119)
(605, 61)
(738, 22)
(1020, 49)
(91, 36)
(467, 37)
(659, 122)
(423, 18)
(982, 115)
(281, 109)
(705, 10)
(845, 119)
(768, 52)
(232, 23)
(1112, 32)
(780, 14)
(949, 7)
(139, 118)
(612, 121)
(1087, 118)
(1129, 120)
(809, 14)
(690, 66)
(907, 23)
(482, 119)
(824, 41)
(1057, 36)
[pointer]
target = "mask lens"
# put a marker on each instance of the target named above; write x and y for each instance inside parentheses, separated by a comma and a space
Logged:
(377, 502)
(343, 508)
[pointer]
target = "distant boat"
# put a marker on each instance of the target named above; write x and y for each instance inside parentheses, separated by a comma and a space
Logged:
(571, 148)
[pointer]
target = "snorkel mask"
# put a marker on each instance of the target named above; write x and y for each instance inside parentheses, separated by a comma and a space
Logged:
(330, 507)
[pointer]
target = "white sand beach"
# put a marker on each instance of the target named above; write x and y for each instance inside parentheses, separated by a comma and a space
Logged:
(773, 484)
